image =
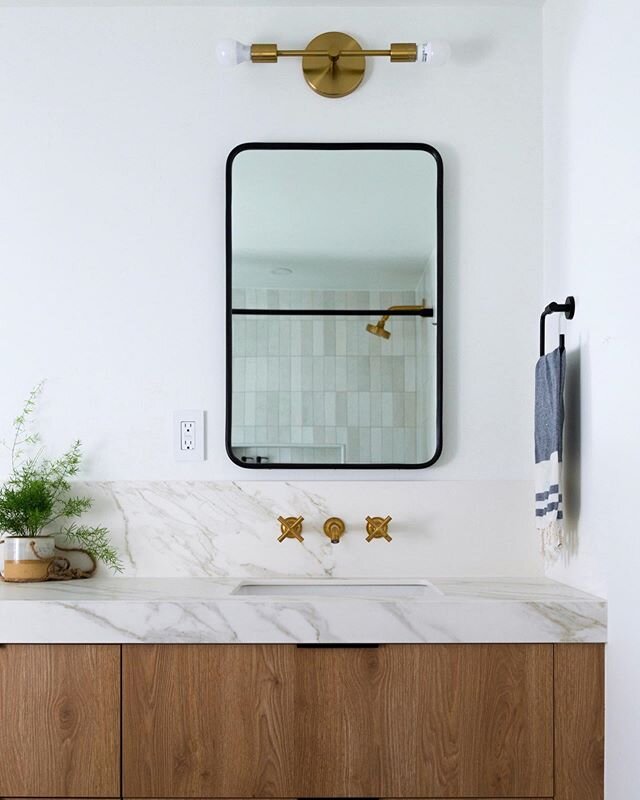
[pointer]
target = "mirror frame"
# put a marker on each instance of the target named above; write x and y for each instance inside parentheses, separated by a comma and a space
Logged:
(439, 296)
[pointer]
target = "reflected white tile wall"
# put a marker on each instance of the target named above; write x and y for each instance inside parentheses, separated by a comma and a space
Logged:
(325, 380)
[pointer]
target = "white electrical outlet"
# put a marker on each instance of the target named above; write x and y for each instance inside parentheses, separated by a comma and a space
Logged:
(189, 435)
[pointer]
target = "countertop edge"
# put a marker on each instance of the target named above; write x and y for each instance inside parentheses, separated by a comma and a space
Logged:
(552, 614)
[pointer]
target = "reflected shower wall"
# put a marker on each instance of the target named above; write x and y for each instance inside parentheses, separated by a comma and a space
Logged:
(322, 390)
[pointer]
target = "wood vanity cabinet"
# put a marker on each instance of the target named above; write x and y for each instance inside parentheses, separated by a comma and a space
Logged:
(394, 721)
(59, 720)
(279, 721)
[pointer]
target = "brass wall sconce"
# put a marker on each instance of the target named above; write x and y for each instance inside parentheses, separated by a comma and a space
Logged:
(333, 63)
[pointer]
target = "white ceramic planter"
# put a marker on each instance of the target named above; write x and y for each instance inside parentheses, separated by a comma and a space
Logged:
(27, 559)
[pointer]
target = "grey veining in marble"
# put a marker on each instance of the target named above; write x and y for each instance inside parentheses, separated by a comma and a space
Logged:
(130, 610)
(217, 529)
(186, 545)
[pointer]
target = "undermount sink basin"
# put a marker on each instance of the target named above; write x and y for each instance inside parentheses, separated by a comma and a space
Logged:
(336, 588)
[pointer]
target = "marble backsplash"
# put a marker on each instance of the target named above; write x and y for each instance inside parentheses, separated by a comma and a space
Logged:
(220, 529)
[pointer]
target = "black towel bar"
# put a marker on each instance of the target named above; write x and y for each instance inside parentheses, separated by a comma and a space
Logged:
(569, 309)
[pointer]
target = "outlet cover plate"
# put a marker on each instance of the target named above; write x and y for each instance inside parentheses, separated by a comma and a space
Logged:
(195, 448)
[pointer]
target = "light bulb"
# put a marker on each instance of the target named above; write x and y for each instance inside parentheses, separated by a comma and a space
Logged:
(229, 52)
(434, 53)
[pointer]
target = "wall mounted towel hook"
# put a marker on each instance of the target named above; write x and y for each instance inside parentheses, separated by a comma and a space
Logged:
(569, 309)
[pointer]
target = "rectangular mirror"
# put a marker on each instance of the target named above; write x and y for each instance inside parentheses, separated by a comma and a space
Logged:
(334, 306)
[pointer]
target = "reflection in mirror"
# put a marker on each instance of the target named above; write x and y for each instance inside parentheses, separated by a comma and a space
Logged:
(334, 267)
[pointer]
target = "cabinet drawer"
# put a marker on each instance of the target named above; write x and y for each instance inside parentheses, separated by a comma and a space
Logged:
(431, 721)
(425, 721)
(60, 720)
(208, 720)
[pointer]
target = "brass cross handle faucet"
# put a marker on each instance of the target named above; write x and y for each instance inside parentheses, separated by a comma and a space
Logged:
(291, 528)
(378, 528)
(334, 528)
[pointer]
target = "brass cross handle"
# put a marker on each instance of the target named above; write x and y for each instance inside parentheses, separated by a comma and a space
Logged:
(291, 528)
(377, 528)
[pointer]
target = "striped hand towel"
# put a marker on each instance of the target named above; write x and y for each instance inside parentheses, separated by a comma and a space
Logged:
(549, 422)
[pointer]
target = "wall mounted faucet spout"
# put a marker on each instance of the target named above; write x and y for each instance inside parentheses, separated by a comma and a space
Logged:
(334, 527)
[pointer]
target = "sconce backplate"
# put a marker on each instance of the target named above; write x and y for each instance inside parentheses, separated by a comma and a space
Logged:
(332, 76)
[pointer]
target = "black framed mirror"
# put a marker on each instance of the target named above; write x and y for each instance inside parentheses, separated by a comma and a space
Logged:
(334, 306)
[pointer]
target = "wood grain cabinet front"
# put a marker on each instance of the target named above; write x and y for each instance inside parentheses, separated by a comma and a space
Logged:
(425, 721)
(208, 721)
(276, 721)
(397, 721)
(59, 720)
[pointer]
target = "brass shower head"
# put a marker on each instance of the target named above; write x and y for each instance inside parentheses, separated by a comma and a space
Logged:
(378, 329)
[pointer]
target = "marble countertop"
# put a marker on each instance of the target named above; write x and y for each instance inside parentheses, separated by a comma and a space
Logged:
(180, 610)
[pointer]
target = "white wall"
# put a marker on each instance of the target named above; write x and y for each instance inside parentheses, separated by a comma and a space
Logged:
(592, 166)
(115, 124)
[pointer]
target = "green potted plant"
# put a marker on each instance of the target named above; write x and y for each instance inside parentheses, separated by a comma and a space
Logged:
(37, 508)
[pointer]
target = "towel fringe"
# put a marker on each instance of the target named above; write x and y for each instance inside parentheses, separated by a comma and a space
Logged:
(551, 541)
